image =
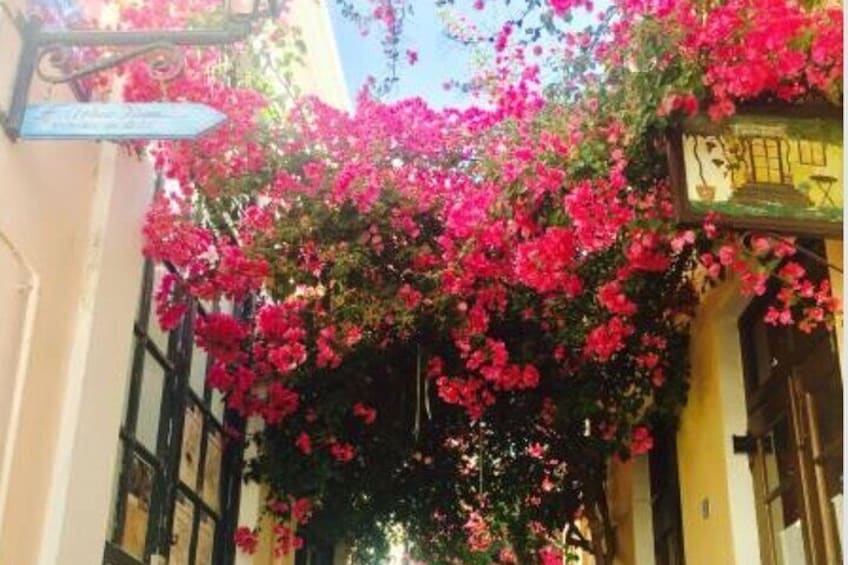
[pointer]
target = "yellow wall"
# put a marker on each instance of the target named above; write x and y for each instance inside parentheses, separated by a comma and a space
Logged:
(704, 457)
(700, 442)
(621, 510)
(629, 497)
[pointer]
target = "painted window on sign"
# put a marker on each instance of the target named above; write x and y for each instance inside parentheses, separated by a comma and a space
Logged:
(766, 160)
(811, 153)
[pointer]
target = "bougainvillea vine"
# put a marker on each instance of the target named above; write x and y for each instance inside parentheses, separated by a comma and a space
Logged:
(452, 319)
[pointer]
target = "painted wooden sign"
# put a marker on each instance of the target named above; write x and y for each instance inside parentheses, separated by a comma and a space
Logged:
(774, 169)
(118, 121)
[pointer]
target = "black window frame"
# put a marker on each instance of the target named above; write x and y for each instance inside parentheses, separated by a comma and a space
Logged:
(176, 395)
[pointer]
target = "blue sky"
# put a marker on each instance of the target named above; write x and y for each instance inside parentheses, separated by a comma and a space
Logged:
(440, 58)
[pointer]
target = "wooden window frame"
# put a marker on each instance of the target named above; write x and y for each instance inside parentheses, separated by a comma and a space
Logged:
(781, 397)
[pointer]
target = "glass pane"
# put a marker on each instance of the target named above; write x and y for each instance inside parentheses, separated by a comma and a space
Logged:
(205, 540)
(218, 405)
(787, 529)
(150, 402)
(780, 463)
(182, 530)
(190, 455)
(207, 305)
(197, 377)
(137, 507)
(154, 331)
(212, 470)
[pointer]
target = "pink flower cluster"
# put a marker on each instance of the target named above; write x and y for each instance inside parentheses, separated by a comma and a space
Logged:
(545, 263)
(479, 536)
(516, 214)
(221, 335)
(607, 339)
(342, 452)
(282, 328)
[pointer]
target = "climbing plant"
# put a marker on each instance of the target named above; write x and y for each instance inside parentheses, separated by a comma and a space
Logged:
(457, 317)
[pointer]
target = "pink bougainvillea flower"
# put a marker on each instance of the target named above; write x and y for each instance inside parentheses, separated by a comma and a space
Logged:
(304, 443)
(247, 540)
(365, 413)
(342, 452)
(642, 441)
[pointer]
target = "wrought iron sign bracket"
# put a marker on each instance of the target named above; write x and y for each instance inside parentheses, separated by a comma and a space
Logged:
(50, 54)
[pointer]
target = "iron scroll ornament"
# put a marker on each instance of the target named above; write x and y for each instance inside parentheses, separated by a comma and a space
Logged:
(56, 62)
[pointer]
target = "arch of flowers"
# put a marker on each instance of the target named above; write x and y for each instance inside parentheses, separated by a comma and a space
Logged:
(457, 317)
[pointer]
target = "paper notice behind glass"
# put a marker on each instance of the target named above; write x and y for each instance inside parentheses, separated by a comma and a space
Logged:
(190, 456)
(212, 470)
(205, 541)
(181, 532)
(137, 509)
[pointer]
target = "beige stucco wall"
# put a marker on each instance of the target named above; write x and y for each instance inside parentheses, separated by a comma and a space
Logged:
(61, 207)
(321, 74)
(72, 210)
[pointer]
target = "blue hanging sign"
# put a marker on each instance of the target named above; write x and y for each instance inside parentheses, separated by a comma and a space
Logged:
(119, 122)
